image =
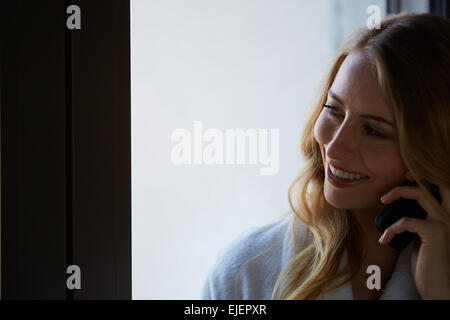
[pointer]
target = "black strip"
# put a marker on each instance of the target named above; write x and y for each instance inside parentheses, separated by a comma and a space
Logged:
(435, 6)
(69, 148)
(439, 7)
(393, 6)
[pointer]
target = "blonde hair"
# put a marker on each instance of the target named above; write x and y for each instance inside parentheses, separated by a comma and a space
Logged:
(411, 59)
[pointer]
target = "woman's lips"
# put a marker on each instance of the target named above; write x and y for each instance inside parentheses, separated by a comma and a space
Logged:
(340, 182)
(345, 170)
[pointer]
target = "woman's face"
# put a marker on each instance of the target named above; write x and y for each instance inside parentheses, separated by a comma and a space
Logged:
(352, 137)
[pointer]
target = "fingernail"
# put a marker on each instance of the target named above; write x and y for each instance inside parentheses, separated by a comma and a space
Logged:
(382, 237)
(384, 197)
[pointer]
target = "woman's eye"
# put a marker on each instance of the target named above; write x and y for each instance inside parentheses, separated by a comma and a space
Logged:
(331, 109)
(373, 132)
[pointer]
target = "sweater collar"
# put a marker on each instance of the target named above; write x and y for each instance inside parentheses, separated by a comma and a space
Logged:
(401, 285)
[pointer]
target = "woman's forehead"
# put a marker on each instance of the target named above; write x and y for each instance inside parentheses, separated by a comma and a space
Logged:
(357, 87)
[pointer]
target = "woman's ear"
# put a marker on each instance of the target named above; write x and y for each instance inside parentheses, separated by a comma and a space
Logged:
(409, 176)
(409, 181)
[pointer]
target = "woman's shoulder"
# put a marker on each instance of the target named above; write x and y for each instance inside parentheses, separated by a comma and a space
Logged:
(247, 268)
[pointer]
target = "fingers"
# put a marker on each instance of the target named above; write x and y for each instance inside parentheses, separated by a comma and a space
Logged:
(428, 231)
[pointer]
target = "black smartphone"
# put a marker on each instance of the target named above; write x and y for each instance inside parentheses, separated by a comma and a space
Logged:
(403, 208)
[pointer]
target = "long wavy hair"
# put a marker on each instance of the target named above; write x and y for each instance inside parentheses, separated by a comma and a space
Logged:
(410, 56)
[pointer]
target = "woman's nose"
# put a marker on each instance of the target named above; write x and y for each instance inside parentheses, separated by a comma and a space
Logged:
(344, 142)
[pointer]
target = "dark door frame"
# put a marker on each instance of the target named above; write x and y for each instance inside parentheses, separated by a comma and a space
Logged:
(439, 7)
(65, 149)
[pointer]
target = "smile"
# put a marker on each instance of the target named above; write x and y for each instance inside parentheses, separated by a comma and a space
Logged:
(339, 182)
(346, 175)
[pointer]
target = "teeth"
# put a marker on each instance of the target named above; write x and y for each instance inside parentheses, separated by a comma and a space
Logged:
(345, 175)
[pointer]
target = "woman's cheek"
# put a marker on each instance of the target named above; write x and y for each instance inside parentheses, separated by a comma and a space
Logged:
(373, 149)
(383, 160)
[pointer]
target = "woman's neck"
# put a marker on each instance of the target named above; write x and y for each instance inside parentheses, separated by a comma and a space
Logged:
(376, 254)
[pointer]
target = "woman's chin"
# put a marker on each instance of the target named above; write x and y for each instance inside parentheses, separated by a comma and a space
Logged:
(337, 203)
(342, 201)
(351, 203)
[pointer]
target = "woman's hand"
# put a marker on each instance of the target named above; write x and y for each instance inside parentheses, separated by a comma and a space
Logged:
(430, 261)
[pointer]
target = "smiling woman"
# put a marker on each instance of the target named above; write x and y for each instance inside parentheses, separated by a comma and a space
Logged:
(382, 117)
(353, 138)
(389, 99)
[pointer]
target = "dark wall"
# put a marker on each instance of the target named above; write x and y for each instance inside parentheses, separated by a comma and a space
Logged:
(65, 150)
(33, 151)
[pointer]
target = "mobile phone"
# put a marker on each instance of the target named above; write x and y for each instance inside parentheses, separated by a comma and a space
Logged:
(400, 208)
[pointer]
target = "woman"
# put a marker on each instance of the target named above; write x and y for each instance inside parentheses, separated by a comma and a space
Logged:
(382, 117)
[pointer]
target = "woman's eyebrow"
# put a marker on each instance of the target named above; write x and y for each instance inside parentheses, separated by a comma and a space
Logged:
(366, 116)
